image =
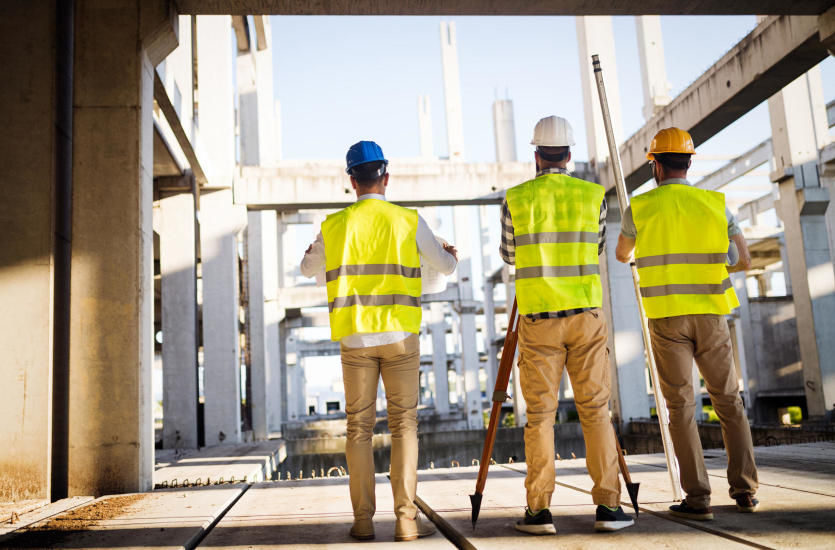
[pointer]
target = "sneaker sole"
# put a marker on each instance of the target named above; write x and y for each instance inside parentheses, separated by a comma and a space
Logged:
(405, 538)
(746, 509)
(612, 525)
(362, 537)
(697, 517)
(547, 529)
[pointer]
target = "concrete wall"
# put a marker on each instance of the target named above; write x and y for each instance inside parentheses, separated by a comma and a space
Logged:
(27, 180)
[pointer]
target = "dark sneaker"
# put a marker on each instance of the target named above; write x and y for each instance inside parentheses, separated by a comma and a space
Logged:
(746, 503)
(539, 524)
(684, 511)
(606, 519)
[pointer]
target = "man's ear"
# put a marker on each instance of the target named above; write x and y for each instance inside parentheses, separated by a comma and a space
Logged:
(689, 162)
(386, 180)
(569, 157)
(354, 183)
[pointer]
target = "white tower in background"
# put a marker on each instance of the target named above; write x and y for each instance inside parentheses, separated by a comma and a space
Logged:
(504, 130)
(653, 71)
(452, 92)
(425, 127)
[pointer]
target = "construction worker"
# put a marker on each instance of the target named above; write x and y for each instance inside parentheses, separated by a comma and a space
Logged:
(371, 252)
(553, 230)
(680, 236)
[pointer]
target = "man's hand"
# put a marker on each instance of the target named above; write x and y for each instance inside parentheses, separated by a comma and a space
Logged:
(309, 248)
(451, 250)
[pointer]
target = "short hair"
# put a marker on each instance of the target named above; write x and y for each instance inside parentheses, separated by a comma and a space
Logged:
(553, 154)
(673, 161)
(369, 173)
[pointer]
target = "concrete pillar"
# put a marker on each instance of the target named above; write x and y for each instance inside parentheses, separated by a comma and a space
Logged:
(799, 130)
(283, 371)
(215, 104)
(744, 338)
(111, 438)
(256, 110)
(36, 183)
(437, 328)
(452, 92)
(653, 72)
(427, 148)
(595, 36)
(489, 335)
(504, 131)
(262, 258)
(221, 221)
(626, 342)
(177, 262)
(469, 352)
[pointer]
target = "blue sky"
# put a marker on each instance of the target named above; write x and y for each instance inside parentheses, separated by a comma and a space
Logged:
(341, 79)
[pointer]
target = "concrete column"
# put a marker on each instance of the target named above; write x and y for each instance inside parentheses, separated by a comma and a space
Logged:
(489, 335)
(262, 252)
(595, 36)
(504, 131)
(427, 148)
(469, 352)
(111, 439)
(437, 328)
(215, 103)
(256, 110)
(221, 221)
(452, 92)
(799, 130)
(177, 261)
(626, 342)
(744, 338)
(653, 73)
(283, 371)
(36, 183)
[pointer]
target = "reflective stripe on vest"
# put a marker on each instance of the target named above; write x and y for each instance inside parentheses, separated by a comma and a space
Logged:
(681, 252)
(372, 269)
(556, 220)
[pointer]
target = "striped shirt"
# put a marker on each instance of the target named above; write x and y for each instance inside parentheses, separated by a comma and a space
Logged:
(507, 249)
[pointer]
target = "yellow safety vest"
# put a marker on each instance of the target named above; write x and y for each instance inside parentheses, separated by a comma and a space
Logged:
(372, 269)
(556, 220)
(681, 251)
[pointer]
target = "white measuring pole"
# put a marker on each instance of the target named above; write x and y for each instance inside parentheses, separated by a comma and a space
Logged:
(623, 202)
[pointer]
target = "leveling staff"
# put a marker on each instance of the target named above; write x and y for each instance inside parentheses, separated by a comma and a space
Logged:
(680, 235)
(371, 252)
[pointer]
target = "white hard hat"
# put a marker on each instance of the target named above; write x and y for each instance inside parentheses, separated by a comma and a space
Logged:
(553, 131)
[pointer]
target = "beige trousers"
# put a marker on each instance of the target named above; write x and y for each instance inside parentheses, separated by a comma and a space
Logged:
(578, 344)
(676, 342)
(399, 365)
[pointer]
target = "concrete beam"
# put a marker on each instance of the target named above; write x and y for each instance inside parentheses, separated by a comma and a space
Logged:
(323, 184)
(503, 7)
(738, 167)
(776, 52)
(170, 114)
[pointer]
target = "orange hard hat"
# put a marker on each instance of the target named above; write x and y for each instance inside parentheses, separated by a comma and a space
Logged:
(671, 140)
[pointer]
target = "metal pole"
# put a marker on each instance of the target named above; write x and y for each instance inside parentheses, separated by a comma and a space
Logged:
(623, 202)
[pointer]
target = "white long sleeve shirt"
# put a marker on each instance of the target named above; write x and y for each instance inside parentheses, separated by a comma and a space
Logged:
(429, 249)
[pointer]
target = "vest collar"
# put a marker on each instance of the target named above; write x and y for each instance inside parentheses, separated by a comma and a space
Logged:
(377, 196)
(679, 181)
(552, 170)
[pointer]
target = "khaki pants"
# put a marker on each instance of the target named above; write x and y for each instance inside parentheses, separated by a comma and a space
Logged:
(676, 342)
(399, 365)
(578, 344)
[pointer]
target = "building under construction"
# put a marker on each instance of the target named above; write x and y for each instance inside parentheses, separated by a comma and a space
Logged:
(156, 328)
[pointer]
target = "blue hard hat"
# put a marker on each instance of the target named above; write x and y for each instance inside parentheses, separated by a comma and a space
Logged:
(363, 152)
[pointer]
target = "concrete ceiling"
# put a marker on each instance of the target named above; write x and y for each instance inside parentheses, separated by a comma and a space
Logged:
(505, 7)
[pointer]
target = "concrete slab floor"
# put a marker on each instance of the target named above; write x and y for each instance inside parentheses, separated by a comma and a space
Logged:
(307, 514)
(316, 513)
(162, 519)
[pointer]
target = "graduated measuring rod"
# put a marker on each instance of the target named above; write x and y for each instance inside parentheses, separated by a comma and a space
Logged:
(623, 202)
(499, 397)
